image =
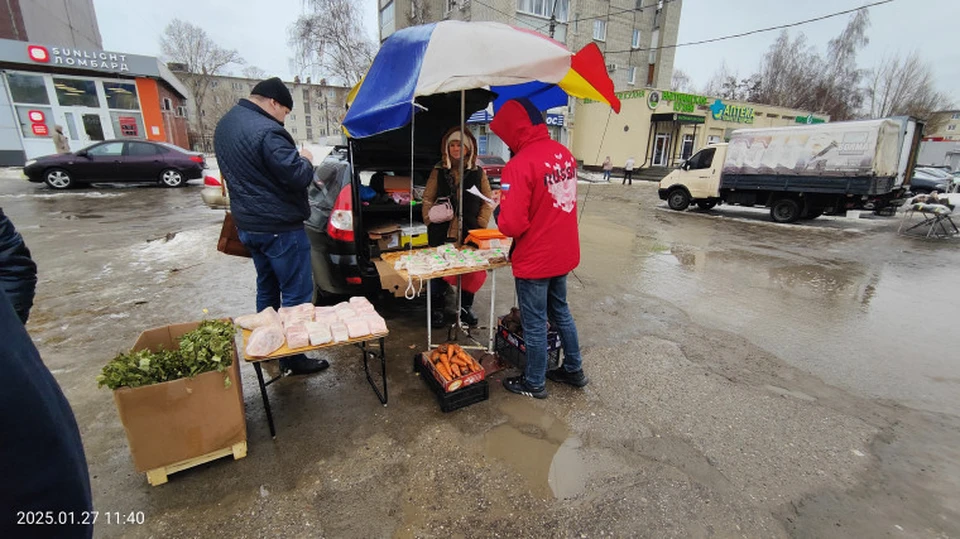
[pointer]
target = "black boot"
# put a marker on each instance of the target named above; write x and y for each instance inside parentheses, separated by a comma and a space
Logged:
(437, 300)
(466, 313)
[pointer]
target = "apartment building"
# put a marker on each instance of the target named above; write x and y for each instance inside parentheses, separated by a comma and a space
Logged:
(317, 108)
(631, 33)
(65, 23)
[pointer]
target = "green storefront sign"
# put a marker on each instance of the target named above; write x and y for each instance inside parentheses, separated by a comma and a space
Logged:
(627, 94)
(811, 119)
(684, 102)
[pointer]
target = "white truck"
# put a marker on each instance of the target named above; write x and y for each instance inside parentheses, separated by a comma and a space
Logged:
(801, 172)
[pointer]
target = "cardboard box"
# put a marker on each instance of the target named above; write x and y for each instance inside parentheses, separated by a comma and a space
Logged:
(396, 184)
(182, 419)
(417, 235)
(456, 383)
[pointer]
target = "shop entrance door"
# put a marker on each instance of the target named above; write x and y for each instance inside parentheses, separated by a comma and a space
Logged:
(661, 149)
(85, 127)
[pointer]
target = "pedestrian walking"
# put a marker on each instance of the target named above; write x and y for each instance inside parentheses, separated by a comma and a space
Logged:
(628, 171)
(60, 141)
(541, 216)
(268, 199)
(607, 169)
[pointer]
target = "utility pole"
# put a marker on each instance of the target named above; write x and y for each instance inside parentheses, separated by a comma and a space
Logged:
(326, 113)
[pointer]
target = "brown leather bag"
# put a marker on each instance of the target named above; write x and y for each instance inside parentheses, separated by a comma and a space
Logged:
(229, 242)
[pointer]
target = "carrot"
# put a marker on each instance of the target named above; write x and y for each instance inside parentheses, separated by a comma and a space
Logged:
(444, 372)
(455, 371)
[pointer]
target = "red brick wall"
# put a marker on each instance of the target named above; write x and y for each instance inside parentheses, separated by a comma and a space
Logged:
(175, 126)
(11, 21)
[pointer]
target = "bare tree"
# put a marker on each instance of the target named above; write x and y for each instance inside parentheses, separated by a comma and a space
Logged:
(728, 85)
(680, 81)
(330, 38)
(190, 45)
(254, 72)
(840, 92)
(419, 12)
(903, 86)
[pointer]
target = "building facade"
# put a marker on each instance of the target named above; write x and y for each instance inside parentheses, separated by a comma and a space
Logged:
(317, 108)
(93, 94)
(946, 126)
(69, 23)
(659, 128)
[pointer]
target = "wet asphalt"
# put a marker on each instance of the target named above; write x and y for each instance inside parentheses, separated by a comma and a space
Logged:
(748, 379)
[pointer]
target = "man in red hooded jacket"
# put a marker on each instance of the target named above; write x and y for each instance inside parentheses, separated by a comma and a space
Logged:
(541, 216)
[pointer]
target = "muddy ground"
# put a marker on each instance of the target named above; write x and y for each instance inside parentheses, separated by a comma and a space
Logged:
(748, 380)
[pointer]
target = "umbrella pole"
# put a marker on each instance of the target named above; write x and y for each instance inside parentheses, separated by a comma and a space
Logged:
(463, 136)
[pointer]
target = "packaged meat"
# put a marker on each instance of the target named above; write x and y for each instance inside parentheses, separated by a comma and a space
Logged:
(376, 323)
(357, 327)
(319, 333)
(359, 301)
(339, 332)
(264, 341)
(266, 317)
(297, 336)
(324, 310)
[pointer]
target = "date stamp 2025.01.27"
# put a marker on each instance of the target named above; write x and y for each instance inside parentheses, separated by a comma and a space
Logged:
(82, 518)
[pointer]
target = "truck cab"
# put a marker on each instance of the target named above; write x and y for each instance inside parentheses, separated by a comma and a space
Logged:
(696, 180)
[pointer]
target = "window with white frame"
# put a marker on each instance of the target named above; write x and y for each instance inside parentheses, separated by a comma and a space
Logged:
(388, 20)
(632, 75)
(449, 5)
(166, 104)
(952, 127)
(956, 116)
(545, 8)
(600, 30)
(654, 43)
(635, 44)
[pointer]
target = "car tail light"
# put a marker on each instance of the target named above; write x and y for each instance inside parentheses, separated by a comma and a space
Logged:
(211, 181)
(354, 280)
(196, 158)
(340, 226)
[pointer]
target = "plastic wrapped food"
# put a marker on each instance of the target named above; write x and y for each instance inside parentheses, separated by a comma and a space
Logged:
(357, 327)
(296, 314)
(266, 317)
(339, 332)
(319, 333)
(360, 302)
(297, 336)
(264, 341)
(376, 323)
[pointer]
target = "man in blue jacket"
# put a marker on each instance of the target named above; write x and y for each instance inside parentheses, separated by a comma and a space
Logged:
(18, 272)
(268, 182)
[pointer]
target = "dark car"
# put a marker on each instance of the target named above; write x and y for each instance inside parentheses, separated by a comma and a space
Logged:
(344, 257)
(493, 166)
(927, 179)
(118, 161)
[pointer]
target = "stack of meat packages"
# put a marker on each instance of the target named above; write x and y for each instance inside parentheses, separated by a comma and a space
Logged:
(305, 325)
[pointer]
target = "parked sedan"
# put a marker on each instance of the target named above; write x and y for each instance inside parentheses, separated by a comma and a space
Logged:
(928, 179)
(118, 161)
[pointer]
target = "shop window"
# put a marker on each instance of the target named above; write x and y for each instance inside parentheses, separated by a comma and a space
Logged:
(35, 122)
(76, 92)
(27, 89)
(121, 96)
(687, 148)
(127, 124)
(600, 30)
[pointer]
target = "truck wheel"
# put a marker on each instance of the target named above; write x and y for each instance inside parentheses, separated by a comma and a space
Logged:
(678, 199)
(785, 210)
(706, 204)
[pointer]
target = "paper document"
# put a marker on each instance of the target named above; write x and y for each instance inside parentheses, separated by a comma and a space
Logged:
(474, 191)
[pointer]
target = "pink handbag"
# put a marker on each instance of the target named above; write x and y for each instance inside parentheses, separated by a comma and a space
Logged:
(441, 212)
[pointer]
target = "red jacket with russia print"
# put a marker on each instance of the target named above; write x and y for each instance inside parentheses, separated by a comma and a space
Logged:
(540, 214)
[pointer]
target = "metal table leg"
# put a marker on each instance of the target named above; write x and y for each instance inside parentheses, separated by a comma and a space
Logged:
(381, 355)
(266, 400)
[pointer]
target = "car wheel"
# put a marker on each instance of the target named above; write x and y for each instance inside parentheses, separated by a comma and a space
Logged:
(785, 210)
(678, 199)
(57, 178)
(171, 177)
(706, 204)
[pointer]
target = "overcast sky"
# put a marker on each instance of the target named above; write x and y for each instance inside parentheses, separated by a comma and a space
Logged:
(258, 30)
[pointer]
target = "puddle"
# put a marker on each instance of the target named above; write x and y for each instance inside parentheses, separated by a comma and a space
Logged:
(541, 448)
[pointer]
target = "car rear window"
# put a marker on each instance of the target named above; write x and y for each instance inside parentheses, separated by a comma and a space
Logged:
(491, 160)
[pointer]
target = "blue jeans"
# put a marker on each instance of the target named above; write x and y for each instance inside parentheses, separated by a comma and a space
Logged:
(606, 175)
(284, 275)
(539, 300)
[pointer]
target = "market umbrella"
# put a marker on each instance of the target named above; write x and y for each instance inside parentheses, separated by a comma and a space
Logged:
(451, 56)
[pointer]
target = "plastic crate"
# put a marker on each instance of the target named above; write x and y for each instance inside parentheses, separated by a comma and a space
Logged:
(513, 355)
(553, 338)
(453, 400)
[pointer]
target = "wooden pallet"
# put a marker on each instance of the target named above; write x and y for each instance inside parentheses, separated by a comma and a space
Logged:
(158, 476)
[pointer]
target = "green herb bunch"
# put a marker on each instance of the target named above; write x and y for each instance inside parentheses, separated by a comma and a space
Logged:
(207, 348)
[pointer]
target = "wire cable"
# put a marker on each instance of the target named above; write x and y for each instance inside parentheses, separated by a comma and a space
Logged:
(751, 32)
